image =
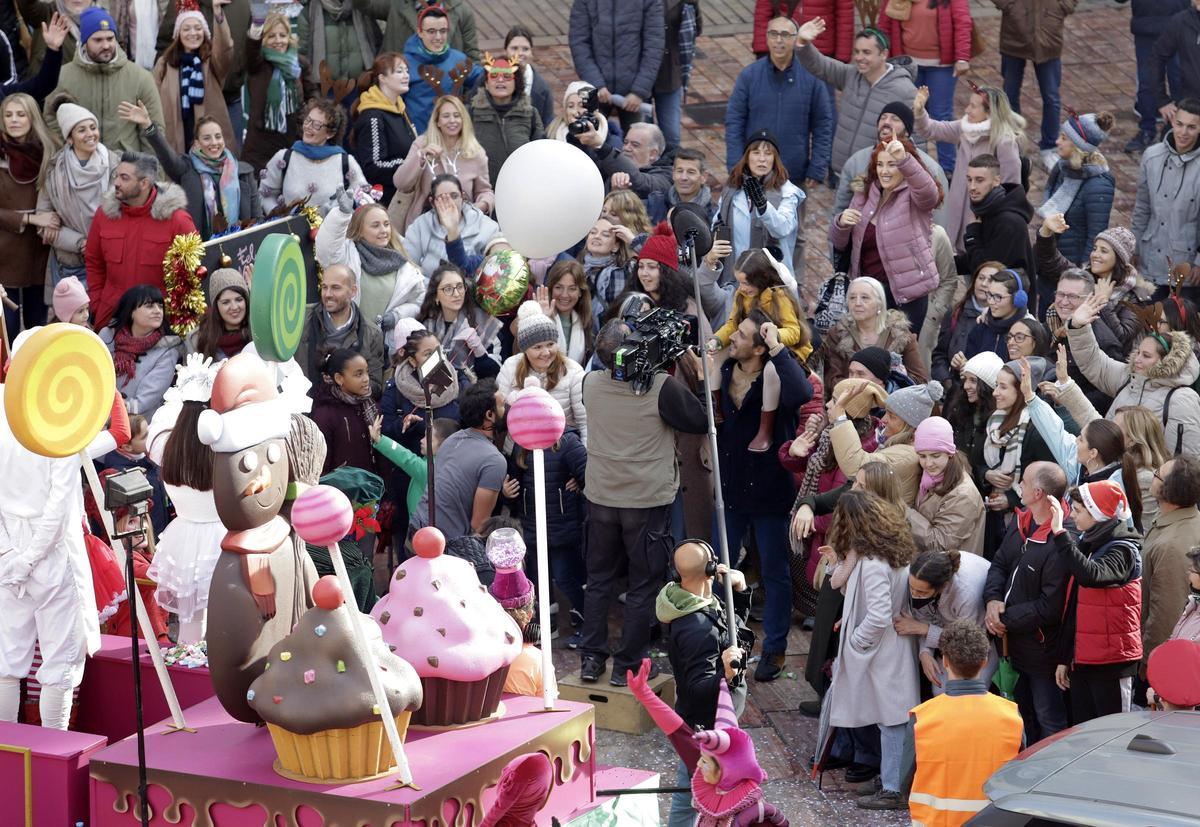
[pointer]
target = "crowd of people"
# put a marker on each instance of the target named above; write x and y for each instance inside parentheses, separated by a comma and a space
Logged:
(977, 443)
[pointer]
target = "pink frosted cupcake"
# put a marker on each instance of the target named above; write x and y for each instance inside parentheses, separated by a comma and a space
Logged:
(441, 619)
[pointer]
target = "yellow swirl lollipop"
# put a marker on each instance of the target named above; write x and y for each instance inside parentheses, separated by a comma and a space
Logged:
(277, 296)
(59, 390)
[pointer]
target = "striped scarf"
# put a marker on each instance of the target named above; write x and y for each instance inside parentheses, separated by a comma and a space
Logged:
(687, 41)
(191, 81)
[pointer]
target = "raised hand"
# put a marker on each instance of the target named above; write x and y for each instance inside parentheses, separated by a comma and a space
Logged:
(919, 101)
(1056, 223)
(896, 150)
(1026, 380)
(55, 32)
(1061, 365)
(542, 294)
(135, 113)
(810, 31)
(375, 429)
(1087, 311)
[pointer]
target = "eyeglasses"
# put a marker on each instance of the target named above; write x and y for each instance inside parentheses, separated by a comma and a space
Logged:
(452, 289)
(780, 35)
(1158, 476)
(1074, 297)
(311, 124)
(995, 297)
(1019, 338)
(436, 32)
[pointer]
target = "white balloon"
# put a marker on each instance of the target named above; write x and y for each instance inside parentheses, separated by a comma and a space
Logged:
(548, 195)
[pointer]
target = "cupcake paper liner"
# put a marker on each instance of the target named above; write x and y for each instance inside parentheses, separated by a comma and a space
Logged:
(451, 703)
(350, 754)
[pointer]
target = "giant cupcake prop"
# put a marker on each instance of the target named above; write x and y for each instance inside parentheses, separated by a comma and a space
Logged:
(317, 700)
(439, 617)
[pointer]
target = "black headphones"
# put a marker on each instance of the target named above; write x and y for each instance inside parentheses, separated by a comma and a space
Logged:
(710, 566)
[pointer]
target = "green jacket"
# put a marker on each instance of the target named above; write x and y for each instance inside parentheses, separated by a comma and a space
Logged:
(411, 464)
(401, 17)
(34, 13)
(99, 87)
(342, 51)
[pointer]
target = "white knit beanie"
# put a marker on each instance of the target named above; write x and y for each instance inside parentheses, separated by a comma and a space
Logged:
(70, 115)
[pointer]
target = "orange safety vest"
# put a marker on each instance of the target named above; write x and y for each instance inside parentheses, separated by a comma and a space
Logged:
(960, 741)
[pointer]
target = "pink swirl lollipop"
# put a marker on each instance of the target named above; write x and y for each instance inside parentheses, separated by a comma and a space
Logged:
(322, 515)
(535, 419)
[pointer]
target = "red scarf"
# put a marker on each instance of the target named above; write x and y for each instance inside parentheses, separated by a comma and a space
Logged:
(24, 158)
(127, 349)
(231, 343)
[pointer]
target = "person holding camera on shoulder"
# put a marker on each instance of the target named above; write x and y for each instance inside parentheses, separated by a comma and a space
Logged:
(699, 645)
(758, 490)
(631, 482)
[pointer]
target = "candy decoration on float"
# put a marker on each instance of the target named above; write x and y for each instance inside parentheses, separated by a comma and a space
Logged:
(278, 294)
(502, 282)
(535, 419)
(59, 390)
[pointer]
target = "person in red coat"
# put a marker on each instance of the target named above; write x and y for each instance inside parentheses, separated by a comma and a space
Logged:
(136, 223)
(837, 41)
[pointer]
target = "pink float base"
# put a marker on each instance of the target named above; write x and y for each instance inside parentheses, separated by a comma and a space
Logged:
(55, 764)
(221, 775)
(106, 695)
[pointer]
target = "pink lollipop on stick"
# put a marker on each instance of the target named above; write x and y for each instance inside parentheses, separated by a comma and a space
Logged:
(536, 422)
(322, 516)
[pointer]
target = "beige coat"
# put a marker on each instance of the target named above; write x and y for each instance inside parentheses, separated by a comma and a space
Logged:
(215, 70)
(950, 521)
(900, 457)
(1165, 573)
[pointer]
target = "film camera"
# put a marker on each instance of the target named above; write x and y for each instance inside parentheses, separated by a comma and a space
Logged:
(656, 342)
(591, 103)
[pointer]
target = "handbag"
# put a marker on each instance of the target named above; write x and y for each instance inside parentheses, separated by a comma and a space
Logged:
(831, 302)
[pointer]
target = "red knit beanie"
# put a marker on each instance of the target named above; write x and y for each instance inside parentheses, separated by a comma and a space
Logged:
(662, 247)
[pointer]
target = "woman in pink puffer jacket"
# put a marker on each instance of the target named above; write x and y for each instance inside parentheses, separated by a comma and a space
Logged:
(889, 225)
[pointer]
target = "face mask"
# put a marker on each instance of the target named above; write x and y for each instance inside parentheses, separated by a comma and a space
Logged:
(921, 602)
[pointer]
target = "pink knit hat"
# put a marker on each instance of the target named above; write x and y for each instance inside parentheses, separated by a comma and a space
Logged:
(935, 434)
(506, 551)
(69, 296)
(733, 749)
(190, 10)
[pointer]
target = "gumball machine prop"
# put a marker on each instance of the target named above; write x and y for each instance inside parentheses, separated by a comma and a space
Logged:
(322, 516)
(535, 422)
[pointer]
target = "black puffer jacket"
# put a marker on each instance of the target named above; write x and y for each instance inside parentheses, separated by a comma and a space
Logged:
(564, 508)
(381, 140)
(1030, 577)
(1001, 233)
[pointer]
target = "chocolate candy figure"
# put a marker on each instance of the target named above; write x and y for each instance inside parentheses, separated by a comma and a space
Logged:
(262, 580)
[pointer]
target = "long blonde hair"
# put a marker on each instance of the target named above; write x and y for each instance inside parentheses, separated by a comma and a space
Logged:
(37, 129)
(1144, 442)
(468, 146)
(629, 210)
(355, 231)
(1004, 123)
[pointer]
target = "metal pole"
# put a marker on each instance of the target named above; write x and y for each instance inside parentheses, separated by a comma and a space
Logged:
(429, 452)
(718, 497)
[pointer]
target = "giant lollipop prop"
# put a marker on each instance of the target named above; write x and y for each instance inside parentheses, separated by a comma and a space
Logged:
(57, 398)
(277, 296)
(535, 422)
(322, 516)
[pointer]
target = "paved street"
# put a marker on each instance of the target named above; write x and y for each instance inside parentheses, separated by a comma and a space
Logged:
(1098, 74)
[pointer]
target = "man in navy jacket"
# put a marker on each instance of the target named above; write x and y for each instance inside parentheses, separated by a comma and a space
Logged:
(758, 491)
(779, 95)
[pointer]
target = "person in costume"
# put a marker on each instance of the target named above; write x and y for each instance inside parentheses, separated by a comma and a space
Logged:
(262, 580)
(513, 591)
(726, 777)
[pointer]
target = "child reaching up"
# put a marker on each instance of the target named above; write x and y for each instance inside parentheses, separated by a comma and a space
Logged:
(408, 462)
(761, 287)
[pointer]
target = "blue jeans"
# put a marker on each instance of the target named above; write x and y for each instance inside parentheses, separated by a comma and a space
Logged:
(1040, 702)
(771, 536)
(940, 106)
(1049, 78)
(1147, 100)
(891, 747)
(682, 814)
(668, 112)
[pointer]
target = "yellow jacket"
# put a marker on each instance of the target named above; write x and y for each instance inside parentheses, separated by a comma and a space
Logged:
(775, 302)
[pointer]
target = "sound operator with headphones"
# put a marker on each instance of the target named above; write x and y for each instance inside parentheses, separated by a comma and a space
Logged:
(699, 645)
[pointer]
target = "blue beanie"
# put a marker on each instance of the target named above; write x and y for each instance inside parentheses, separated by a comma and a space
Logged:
(92, 20)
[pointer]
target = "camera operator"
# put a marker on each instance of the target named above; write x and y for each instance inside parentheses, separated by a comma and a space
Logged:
(642, 164)
(698, 645)
(758, 491)
(631, 481)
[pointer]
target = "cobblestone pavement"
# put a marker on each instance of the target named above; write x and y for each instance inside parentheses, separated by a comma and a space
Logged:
(1098, 74)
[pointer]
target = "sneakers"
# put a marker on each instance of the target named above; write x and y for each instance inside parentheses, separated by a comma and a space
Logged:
(575, 640)
(591, 669)
(881, 800)
(1141, 141)
(619, 678)
(769, 668)
(1049, 158)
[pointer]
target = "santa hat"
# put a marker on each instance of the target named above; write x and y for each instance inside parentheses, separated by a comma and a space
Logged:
(661, 247)
(506, 552)
(190, 10)
(245, 408)
(1104, 500)
(733, 750)
(1174, 672)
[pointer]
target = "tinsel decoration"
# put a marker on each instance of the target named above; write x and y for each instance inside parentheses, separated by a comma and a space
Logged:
(184, 298)
(313, 217)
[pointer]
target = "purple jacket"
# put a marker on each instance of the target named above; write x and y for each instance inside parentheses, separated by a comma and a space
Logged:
(902, 232)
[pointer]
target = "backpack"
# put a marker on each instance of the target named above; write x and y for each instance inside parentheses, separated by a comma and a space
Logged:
(831, 302)
(1166, 414)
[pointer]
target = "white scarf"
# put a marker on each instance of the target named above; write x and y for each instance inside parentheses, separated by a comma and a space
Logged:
(972, 132)
(145, 31)
(1002, 452)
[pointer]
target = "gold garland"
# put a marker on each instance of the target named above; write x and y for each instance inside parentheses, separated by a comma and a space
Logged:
(184, 298)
